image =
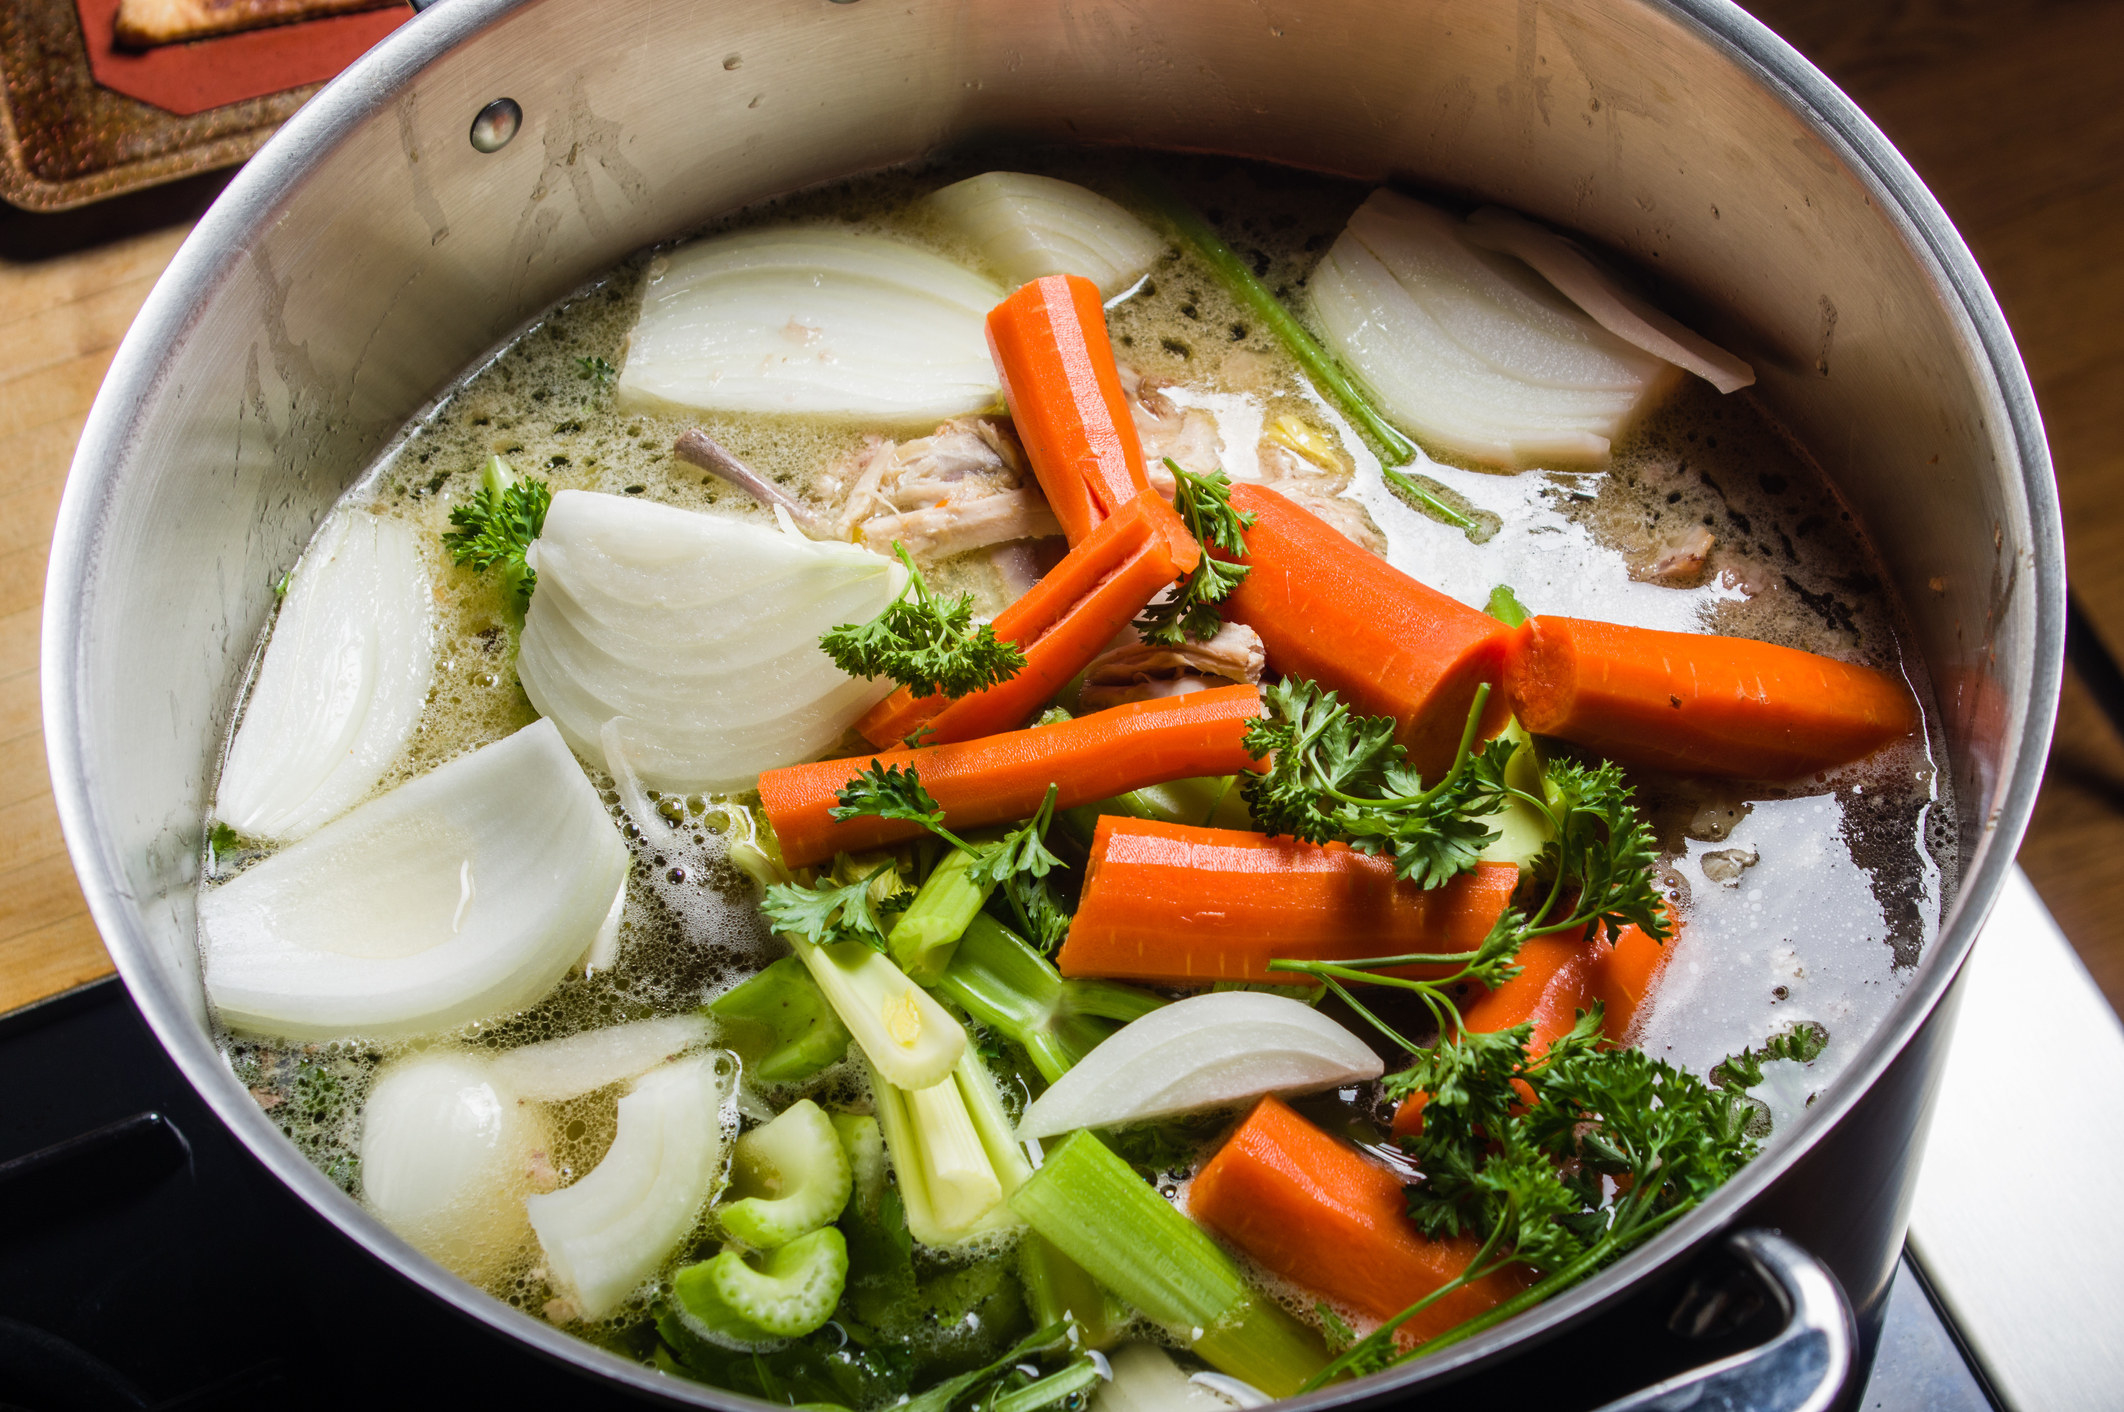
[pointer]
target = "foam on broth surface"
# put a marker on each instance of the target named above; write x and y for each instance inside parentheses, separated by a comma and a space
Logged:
(1848, 872)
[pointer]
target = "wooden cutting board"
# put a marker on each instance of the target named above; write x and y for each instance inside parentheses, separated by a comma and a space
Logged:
(60, 321)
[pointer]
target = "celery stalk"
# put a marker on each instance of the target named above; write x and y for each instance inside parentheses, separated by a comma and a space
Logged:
(1099, 1213)
(780, 1024)
(960, 1184)
(952, 1147)
(1002, 982)
(907, 1037)
(1522, 830)
(1060, 1291)
(923, 939)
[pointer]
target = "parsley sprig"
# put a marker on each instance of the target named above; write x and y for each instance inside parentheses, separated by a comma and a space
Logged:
(924, 643)
(1018, 863)
(828, 911)
(1560, 1161)
(496, 527)
(1336, 776)
(1205, 502)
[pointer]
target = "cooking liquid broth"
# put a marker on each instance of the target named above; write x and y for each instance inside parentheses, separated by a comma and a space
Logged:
(1849, 869)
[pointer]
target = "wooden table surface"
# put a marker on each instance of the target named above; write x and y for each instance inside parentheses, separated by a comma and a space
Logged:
(2013, 110)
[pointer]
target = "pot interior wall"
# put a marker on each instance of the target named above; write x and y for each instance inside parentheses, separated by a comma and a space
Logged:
(371, 253)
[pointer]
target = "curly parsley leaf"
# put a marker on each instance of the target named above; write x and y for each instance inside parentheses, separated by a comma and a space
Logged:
(598, 370)
(827, 912)
(1559, 1161)
(1205, 503)
(495, 528)
(1605, 848)
(1336, 776)
(889, 792)
(1022, 851)
(926, 644)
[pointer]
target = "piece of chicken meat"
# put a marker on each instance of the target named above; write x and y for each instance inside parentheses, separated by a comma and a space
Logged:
(1135, 670)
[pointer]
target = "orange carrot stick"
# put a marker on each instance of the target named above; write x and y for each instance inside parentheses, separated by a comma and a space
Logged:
(999, 778)
(1310, 1209)
(1560, 975)
(1057, 365)
(1699, 704)
(1060, 624)
(1176, 905)
(1344, 617)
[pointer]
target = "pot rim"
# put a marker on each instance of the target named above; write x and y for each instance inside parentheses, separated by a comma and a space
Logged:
(216, 249)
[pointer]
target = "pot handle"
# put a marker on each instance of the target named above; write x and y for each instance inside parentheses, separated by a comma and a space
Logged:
(1804, 1368)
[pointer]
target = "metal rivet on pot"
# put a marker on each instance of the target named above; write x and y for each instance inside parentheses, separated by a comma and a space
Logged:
(496, 124)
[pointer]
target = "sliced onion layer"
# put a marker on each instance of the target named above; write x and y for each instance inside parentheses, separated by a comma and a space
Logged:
(554, 1070)
(1028, 226)
(608, 1234)
(1607, 303)
(1470, 350)
(463, 895)
(812, 321)
(343, 680)
(1208, 1051)
(700, 632)
(446, 1153)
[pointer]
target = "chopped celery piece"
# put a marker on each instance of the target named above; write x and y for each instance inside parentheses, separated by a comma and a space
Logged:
(865, 1149)
(1522, 830)
(1002, 982)
(704, 1315)
(1209, 801)
(1061, 1292)
(1100, 1214)
(781, 1025)
(923, 939)
(789, 1177)
(906, 1036)
(952, 1146)
(791, 1291)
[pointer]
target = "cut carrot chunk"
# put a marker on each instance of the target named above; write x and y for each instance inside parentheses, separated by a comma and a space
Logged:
(1060, 624)
(1700, 704)
(1177, 905)
(1057, 366)
(1344, 617)
(1312, 1210)
(1560, 975)
(1000, 778)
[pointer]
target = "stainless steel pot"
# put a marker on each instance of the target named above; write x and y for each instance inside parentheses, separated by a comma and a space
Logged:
(376, 246)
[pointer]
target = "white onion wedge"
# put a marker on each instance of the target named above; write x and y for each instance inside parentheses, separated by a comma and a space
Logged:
(610, 1232)
(1614, 308)
(1207, 1051)
(1469, 350)
(700, 631)
(554, 1070)
(1028, 226)
(465, 894)
(446, 1152)
(1145, 1379)
(825, 322)
(343, 680)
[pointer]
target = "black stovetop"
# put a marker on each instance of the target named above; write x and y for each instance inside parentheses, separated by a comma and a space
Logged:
(147, 1261)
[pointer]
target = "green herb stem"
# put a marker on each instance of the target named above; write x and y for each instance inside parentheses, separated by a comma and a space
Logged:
(1320, 366)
